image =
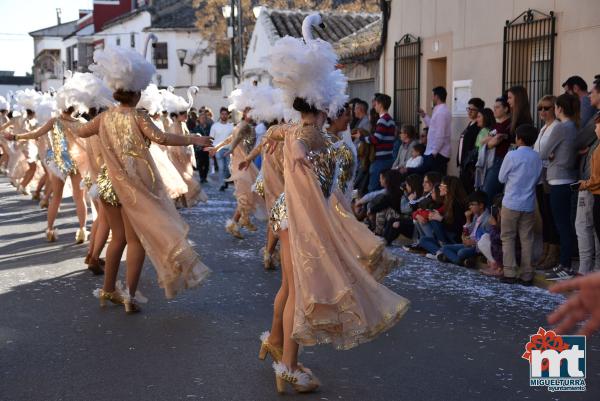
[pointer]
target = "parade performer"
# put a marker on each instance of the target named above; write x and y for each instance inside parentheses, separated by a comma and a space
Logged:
(4, 145)
(183, 157)
(66, 157)
(240, 143)
(145, 219)
(328, 295)
(24, 168)
(152, 102)
(267, 106)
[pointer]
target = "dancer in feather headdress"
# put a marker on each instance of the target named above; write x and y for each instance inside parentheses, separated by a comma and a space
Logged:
(328, 295)
(144, 217)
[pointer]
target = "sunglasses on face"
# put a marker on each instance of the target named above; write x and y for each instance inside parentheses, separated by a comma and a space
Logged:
(545, 108)
(473, 109)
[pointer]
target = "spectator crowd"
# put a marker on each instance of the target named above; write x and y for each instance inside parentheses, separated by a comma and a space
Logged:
(525, 197)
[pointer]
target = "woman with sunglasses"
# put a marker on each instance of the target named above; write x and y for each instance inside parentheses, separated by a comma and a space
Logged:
(549, 257)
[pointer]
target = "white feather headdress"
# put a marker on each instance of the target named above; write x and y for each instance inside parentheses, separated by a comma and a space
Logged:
(307, 69)
(151, 100)
(83, 91)
(4, 104)
(264, 101)
(27, 99)
(176, 104)
(122, 69)
(45, 108)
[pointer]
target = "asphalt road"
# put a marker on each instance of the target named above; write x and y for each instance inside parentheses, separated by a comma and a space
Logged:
(461, 340)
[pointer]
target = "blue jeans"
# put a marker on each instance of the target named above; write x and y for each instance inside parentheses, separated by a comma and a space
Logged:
(457, 253)
(423, 230)
(560, 202)
(376, 168)
(223, 163)
(491, 185)
(440, 237)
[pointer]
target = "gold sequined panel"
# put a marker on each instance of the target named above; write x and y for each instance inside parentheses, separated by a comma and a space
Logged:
(259, 185)
(132, 143)
(324, 164)
(345, 159)
(279, 214)
(106, 191)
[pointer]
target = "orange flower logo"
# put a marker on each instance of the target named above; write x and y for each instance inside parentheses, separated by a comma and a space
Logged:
(544, 340)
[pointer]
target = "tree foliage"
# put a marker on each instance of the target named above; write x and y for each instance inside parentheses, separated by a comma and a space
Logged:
(213, 27)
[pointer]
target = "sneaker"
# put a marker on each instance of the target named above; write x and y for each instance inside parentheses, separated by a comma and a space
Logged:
(559, 273)
(470, 263)
(441, 257)
(414, 248)
(223, 188)
(431, 256)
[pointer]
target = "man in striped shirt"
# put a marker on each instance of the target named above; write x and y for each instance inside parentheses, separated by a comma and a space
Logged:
(383, 139)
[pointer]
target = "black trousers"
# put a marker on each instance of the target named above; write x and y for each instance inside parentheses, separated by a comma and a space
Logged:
(202, 163)
(438, 163)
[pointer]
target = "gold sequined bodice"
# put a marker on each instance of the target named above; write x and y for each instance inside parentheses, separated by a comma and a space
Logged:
(120, 133)
(321, 155)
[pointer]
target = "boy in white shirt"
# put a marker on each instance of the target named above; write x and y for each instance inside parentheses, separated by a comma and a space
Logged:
(416, 160)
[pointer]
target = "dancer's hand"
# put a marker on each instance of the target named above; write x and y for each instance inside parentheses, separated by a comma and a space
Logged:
(582, 306)
(202, 140)
(244, 165)
(211, 151)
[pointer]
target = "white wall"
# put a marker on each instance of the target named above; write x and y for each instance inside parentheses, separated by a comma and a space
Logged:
(123, 31)
(259, 48)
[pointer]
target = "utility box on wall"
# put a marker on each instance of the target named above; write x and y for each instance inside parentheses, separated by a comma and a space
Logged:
(461, 93)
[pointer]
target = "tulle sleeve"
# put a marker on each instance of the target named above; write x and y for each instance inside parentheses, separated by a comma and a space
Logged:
(89, 129)
(150, 130)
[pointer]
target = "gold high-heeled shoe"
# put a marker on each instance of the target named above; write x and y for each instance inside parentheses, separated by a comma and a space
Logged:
(35, 195)
(233, 229)
(302, 379)
(44, 203)
(80, 236)
(131, 306)
(51, 235)
(115, 297)
(267, 348)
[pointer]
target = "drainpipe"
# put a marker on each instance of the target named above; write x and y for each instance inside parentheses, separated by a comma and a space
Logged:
(385, 6)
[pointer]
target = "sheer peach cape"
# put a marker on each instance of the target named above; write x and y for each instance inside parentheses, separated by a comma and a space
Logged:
(181, 157)
(163, 233)
(337, 300)
(249, 202)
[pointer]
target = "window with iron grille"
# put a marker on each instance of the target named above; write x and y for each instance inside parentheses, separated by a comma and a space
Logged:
(161, 59)
(528, 55)
(407, 78)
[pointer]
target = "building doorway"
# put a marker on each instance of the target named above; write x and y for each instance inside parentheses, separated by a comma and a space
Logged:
(436, 76)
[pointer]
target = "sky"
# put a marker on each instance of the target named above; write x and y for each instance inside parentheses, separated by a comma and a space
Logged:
(19, 17)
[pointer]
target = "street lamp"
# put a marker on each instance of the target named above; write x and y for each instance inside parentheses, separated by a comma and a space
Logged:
(181, 54)
(256, 10)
